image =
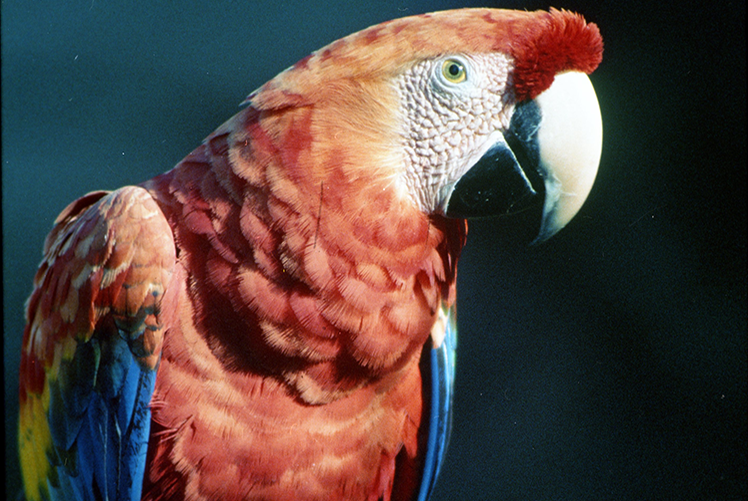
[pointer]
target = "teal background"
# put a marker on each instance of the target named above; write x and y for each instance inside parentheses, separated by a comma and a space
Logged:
(608, 363)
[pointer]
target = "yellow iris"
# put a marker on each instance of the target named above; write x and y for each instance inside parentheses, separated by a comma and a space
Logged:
(454, 71)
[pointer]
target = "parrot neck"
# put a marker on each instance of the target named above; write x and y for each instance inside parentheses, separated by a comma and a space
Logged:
(325, 280)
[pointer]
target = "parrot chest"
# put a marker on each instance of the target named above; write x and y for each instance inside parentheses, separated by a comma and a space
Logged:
(229, 433)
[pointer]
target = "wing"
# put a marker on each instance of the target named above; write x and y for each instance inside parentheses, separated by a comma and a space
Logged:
(440, 361)
(94, 330)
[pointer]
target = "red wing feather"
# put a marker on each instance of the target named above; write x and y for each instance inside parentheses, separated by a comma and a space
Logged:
(95, 327)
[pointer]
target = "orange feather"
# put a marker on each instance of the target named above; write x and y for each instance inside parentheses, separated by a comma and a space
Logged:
(284, 281)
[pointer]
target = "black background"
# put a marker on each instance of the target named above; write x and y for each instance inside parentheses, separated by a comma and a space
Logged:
(608, 363)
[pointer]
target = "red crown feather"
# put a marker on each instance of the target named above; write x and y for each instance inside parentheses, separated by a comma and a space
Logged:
(560, 41)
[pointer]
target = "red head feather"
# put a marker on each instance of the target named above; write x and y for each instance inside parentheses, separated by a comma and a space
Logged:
(559, 41)
(541, 43)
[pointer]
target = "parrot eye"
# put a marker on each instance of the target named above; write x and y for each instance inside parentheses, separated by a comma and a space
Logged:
(454, 71)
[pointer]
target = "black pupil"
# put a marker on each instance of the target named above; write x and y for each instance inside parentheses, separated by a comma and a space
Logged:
(454, 69)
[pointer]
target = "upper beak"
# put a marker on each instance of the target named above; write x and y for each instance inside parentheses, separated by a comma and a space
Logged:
(555, 141)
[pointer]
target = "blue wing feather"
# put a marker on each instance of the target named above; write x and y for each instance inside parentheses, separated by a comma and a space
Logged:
(111, 436)
(96, 327)
(442, 368)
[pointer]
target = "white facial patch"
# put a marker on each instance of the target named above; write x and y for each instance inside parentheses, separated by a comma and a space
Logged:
(454, 109)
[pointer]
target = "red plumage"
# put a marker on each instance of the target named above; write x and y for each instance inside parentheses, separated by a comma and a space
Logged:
(289, 304)
(280, 279)
(563, 41)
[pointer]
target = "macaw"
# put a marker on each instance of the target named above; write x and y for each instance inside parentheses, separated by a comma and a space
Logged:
(274, 318)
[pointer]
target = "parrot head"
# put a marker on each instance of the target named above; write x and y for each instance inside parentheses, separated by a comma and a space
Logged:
(465, 113)
(278, 288)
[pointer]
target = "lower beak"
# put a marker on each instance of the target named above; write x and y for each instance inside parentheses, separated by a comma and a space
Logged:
(552, 146)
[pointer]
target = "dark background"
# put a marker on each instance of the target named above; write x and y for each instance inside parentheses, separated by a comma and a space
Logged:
(608, 363)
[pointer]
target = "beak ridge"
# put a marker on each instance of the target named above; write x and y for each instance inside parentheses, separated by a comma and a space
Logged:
(570, 144)
(555, 141)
